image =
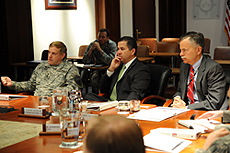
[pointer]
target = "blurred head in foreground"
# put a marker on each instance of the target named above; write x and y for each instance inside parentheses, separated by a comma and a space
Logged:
(113, 134)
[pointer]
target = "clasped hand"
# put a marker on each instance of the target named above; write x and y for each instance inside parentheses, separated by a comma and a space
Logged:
(178, 103)
(96, 46)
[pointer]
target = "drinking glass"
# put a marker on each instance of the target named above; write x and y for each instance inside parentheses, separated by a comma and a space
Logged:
(134, 105)
(44, 103)
(71, 121)
(123, 106)
(83, 106)
(58, 100)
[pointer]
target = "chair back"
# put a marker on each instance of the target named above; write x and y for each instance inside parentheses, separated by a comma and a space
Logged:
(82, 49)
(222, 53)
(142, 51)
(45, 55)
(167, 47)
(159, 79)
(170, 39)
(138, 42)
(207, 42)
(151, 42)
(227, 74)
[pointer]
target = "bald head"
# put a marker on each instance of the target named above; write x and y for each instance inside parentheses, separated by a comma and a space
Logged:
(113, 133)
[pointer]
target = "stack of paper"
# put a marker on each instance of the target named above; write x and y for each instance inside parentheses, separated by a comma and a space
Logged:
(10, 97)
(157, 114)
(155, 141)
(102, 105)
(199, 125)
(180, 133)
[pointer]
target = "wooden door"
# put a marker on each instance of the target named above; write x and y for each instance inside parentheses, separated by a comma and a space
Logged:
(172, 18)
(144, 18)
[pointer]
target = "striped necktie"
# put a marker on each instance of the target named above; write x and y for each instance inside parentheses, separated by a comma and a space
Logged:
(191, 86)
(113, 95)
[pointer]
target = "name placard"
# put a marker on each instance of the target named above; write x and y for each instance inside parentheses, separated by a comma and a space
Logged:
(88, 116)
(51, 128)
(34, 111)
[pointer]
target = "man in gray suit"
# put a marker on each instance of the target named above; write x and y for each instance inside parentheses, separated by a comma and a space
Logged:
(202, 84)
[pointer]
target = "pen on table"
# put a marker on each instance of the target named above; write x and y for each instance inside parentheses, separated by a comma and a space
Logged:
(177, 145)
(188, 126)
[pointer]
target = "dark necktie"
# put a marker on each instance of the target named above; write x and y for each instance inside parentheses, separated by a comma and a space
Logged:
(190, 86)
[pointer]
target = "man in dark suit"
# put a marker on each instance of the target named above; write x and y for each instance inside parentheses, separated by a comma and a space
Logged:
(202, 83)
(126, 78)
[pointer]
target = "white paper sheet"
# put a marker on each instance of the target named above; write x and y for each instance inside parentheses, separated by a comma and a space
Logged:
(158, 141)
(199, 125)
(157, 114)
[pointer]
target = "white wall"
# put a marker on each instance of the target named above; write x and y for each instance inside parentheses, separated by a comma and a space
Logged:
(78, 27)
(126, 18)
(73, 27)
(211, 28)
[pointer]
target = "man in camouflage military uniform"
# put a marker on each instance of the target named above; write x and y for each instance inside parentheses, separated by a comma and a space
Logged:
(219, 140)
(56, 72)
(100, 51)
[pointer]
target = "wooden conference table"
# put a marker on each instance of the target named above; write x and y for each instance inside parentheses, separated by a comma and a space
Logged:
(50, 143)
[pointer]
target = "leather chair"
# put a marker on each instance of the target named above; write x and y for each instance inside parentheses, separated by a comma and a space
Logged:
(171, 47)
(227, 74)
(207, 42)
(142, 51)
(151, 42)
(82, 49)
(222, 53)
(138, 42)
(170, 40)
(163, 46)
(45, 55)
(159, 81)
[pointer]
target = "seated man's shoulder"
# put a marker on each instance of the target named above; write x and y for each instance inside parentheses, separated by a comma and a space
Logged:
(43, 64)
(69, 65)
(111, 41)
(139, 66)
(212, 64)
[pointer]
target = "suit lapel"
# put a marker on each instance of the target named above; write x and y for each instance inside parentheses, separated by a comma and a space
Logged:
(185, 80)
(129, 68)
(201, 72)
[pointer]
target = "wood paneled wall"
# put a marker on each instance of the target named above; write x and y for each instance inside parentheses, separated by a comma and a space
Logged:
(108, 16)
(16, 34)
(172, 18)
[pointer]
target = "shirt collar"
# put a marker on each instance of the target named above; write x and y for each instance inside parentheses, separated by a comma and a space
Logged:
(197, 64)
(56, 66)
(129, 63)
